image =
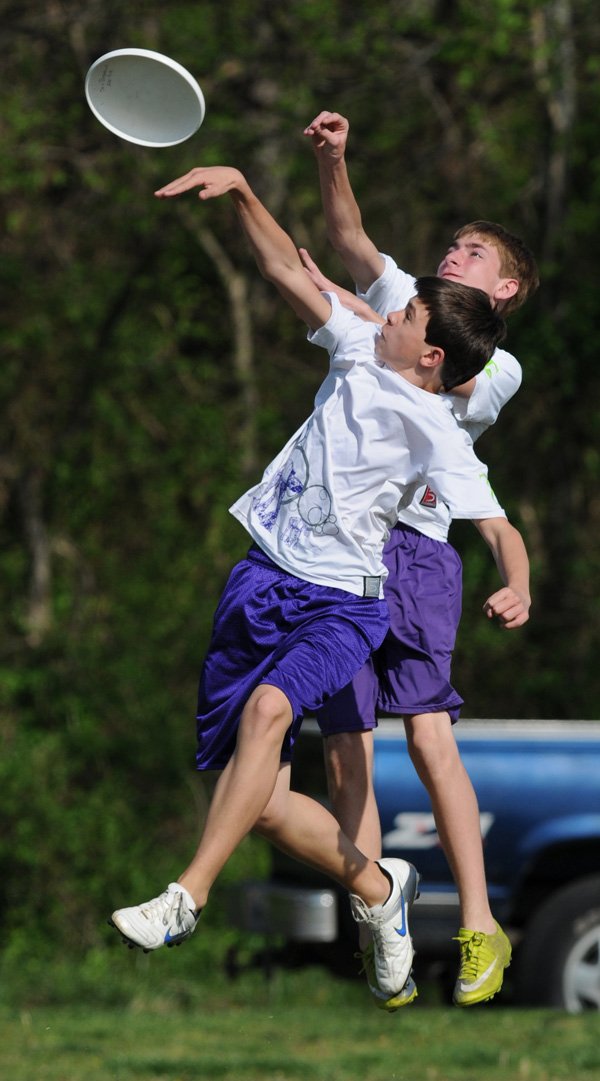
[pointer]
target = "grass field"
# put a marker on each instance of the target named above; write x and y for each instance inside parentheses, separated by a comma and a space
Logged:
(302, 1025)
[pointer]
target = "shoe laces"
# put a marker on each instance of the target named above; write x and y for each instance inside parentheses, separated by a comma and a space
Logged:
(363, 914)
(360, 910)
(166, 906)
(470, 946)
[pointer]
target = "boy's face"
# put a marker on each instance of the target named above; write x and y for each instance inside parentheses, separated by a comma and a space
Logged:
(473, 261)
(401, 340)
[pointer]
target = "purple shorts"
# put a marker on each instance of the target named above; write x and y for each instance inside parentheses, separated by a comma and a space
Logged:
(270, 627)
(410, 672)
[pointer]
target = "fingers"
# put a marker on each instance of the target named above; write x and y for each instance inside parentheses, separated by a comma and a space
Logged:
(307, 259)
(328, 129)
(183, 183)
(508, 608)
(326, 119)
(313, 271)
(213, 180)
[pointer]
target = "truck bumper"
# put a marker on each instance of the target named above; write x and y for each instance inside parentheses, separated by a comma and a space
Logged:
(299, 914)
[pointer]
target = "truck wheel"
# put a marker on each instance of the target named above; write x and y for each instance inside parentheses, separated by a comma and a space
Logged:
(559, 959)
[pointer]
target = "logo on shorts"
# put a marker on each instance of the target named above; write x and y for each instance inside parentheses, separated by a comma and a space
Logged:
(429, 498)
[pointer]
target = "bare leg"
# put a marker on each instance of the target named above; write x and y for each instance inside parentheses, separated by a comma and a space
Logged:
(349, 769)
(437, 760)
(306, 830)
(244, 790)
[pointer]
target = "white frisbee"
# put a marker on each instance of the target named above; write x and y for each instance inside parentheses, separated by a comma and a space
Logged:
(144, 97)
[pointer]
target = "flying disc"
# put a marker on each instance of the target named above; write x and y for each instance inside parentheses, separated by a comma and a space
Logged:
(144, 97)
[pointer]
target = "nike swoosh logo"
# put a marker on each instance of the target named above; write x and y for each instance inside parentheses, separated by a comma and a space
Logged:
(402, 930)
(477, 984)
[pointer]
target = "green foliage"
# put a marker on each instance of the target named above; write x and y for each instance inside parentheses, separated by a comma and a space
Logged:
(134, 412)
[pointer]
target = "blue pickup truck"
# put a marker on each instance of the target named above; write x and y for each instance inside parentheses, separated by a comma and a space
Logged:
(538, 786)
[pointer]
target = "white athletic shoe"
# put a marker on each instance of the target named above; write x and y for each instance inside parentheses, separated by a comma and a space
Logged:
(385, 1002)
(165, 921)
(392, 945)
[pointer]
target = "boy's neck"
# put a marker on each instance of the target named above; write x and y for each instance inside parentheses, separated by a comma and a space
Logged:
(424, 379)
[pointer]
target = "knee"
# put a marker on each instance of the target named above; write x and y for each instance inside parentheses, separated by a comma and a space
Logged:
(267, 713)
(432, 747)
(269, 823)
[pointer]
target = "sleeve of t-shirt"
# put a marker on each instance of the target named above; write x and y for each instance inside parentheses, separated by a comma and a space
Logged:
(391, 291)
(461, 481)
(494, 387)
(346, 336)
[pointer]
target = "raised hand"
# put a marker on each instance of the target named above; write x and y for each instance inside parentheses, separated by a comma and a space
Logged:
(213, 180)
(329, 134)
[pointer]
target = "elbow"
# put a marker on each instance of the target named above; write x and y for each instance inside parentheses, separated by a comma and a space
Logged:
(267, 271)
(336, 238)
(272, 269)
(347, 237)
(341, 241)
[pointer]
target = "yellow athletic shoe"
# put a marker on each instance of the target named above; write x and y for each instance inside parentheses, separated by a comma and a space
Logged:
(483, 959)
(390, 1004)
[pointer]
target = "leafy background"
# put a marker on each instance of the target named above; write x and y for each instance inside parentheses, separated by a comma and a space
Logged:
(148, 374)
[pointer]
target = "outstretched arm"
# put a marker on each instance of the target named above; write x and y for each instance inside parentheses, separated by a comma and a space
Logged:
(274, 251)
(511, 604)
(329, 133)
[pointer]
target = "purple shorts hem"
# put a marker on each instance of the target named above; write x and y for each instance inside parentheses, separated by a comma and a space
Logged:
(451, 708)
(211, 767)
(358, 726)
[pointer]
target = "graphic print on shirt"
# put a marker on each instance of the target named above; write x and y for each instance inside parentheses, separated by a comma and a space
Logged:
(429, 498)
(491, 368)
(290, 485)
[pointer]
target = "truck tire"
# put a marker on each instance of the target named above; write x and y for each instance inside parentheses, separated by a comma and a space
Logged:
(559, 958)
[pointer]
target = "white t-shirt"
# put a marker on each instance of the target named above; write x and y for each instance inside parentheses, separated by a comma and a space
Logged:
(494, 387)
(325, 505)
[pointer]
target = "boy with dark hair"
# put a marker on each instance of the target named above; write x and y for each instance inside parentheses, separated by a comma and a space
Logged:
(305, 609)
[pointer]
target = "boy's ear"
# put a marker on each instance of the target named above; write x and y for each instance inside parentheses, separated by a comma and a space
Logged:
(433, 357)
(507, 288)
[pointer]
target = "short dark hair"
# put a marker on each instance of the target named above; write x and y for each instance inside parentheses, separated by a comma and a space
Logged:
(516, 260)
(463, 323)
